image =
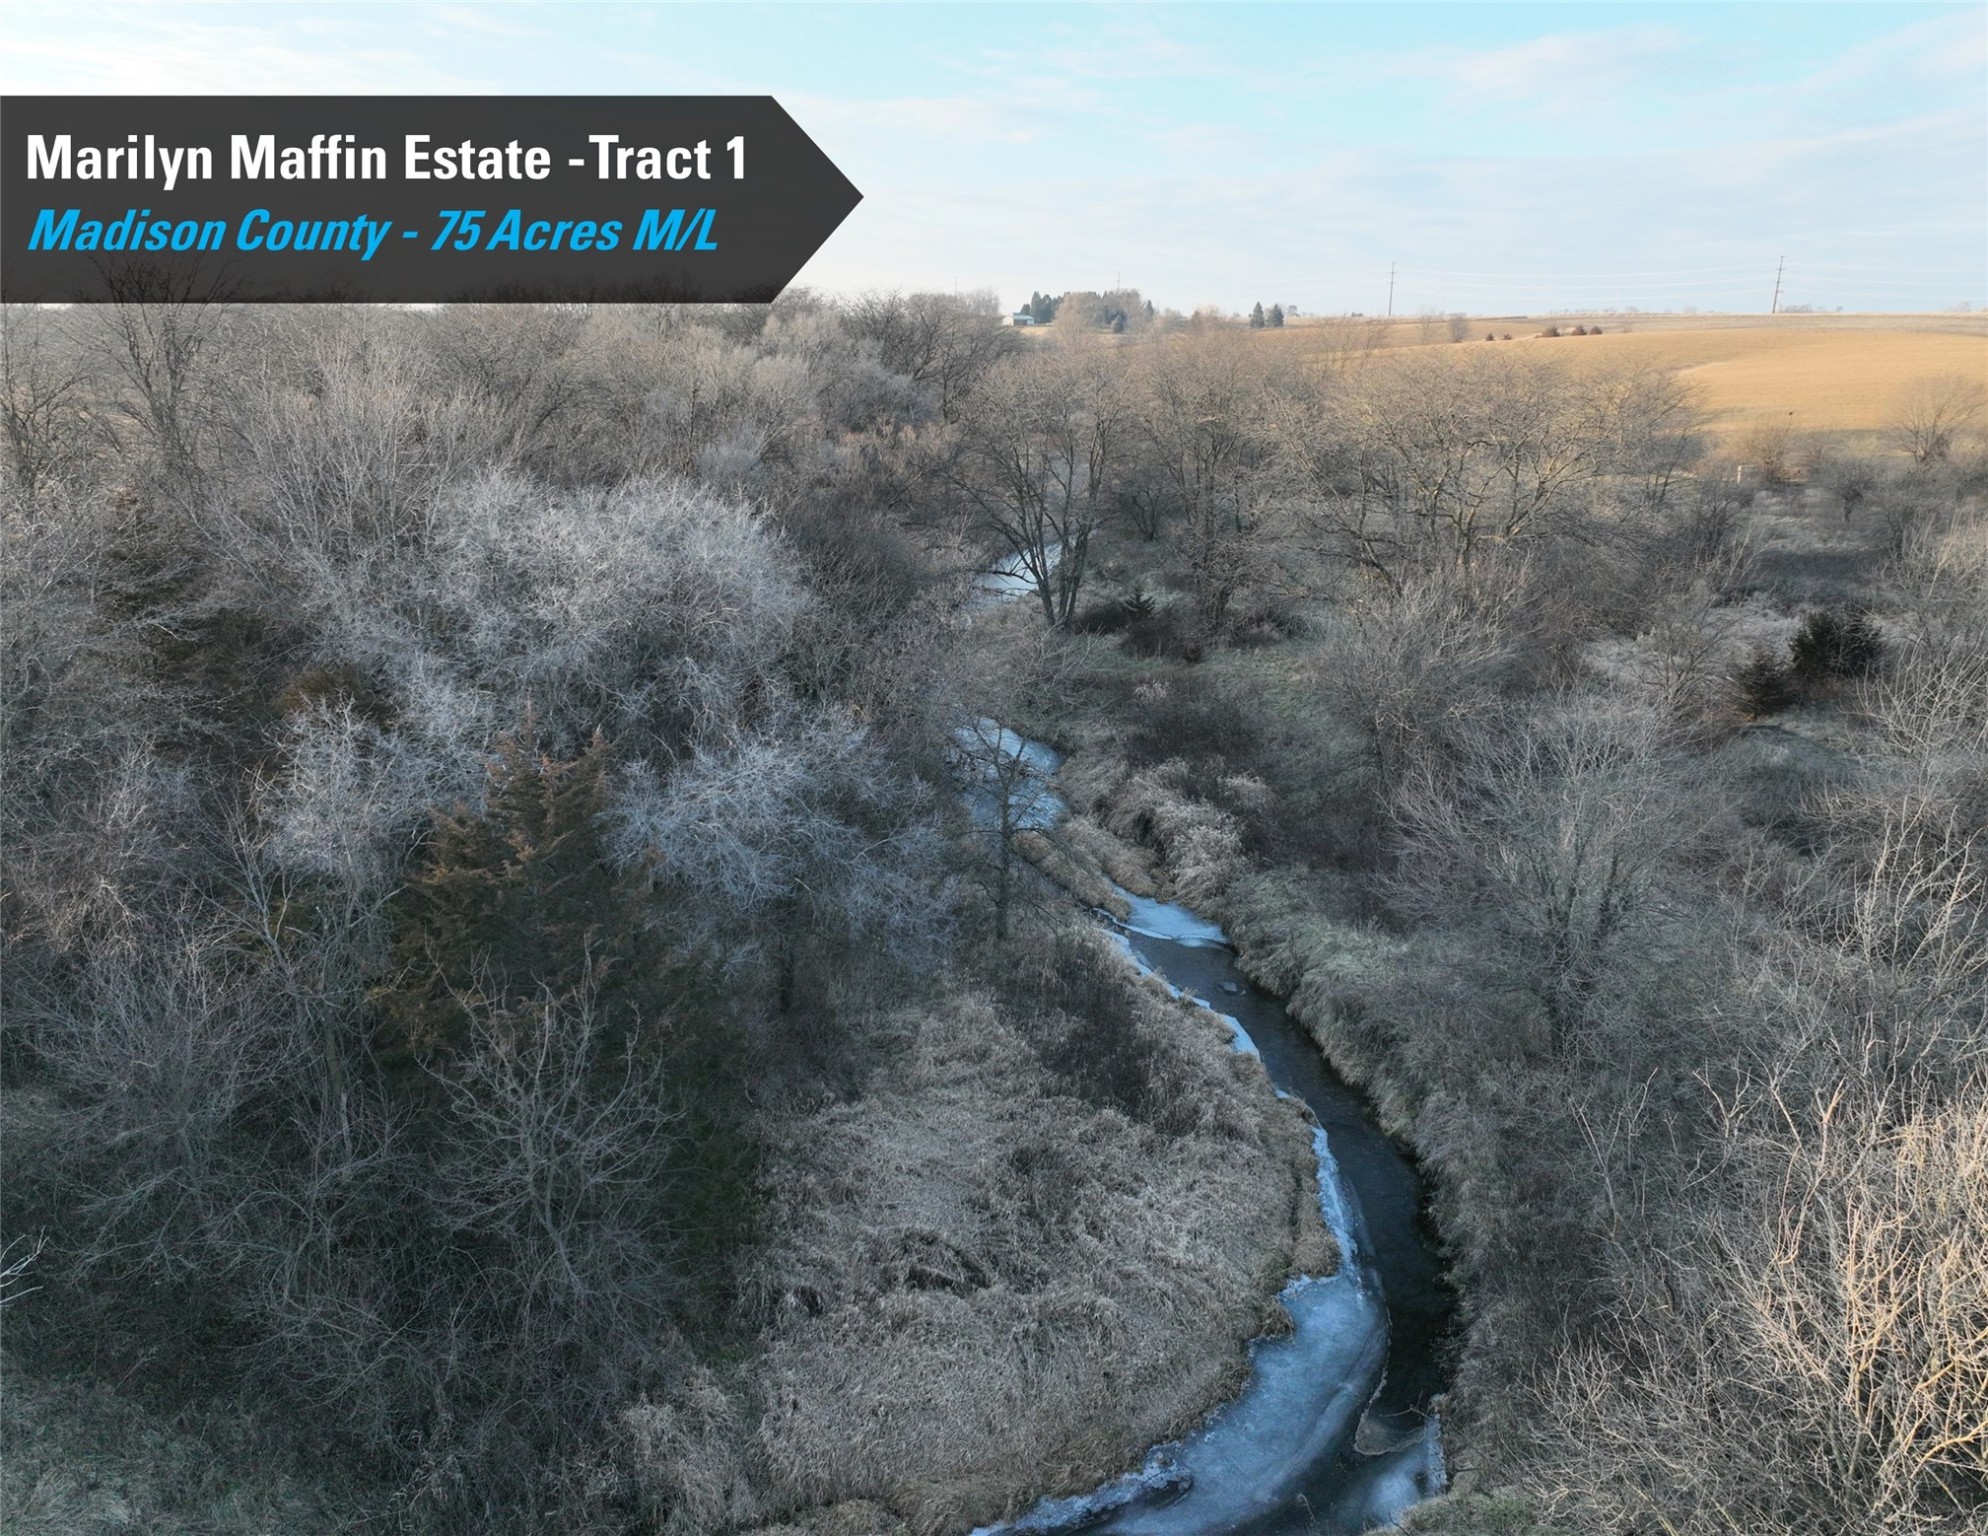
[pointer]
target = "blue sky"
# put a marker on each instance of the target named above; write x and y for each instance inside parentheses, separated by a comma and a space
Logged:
(1505, 158)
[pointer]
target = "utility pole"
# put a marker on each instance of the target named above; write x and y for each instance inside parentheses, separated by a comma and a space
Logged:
(1775, 307)
(1390, 290)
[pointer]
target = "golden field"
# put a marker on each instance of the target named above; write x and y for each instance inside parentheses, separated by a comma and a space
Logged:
(1837, 374)
(1840, 375)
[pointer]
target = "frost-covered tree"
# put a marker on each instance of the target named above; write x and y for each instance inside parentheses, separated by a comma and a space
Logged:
(798, 830)
(655, 612)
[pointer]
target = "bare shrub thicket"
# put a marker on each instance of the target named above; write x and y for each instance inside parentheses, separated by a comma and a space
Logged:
(1754, 1303)
(51, 436)
(1696, 1032)
(1433, 465)
(1417, 666)
(279, 615)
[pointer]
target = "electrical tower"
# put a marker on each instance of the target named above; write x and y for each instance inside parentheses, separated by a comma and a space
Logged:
(1774, 308)
(1390, 290)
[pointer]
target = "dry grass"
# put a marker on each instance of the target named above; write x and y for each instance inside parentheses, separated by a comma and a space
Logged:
(79, 1457)
(1809, 381)
(1199, 847)
(985, 1288)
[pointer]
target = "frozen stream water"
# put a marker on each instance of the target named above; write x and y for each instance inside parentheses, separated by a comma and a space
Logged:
(1333, 1431)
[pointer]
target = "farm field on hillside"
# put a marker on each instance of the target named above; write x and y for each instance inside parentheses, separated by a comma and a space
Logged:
(1813, 381)
(1835, 374)
(1839, 374)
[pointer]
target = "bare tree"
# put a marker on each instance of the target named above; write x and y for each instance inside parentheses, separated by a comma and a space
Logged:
(162, 323)
(798, 828)
(1932, 413)
(1416, 666)
(45, 398)
(1435, 462)
(1204, 402)
(1008, 794)
(1035, 461)
(941, 341)
(558, 1146)
(1559, 830)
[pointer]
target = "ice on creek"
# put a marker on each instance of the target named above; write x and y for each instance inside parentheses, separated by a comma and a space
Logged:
(1253, 1462)
(1238, 1036)
(999, 763)
(1164, 920)
(1009, 578)
(1396, 1482)
(1255, 1456)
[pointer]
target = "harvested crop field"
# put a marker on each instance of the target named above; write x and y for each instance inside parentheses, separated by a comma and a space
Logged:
(1809, 380)
(1839, 374)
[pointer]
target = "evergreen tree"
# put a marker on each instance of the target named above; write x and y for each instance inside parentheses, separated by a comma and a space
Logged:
(1763, 685)
(518, 916)
(1830, 644)
(1256, 318)
(517, 902)
(1276, 316)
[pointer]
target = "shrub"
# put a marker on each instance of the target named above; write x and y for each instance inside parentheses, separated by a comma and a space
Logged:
(1764, 685)
(1831, 644)
(1194, 721)
(1117, 617)
(1770, 447)
(1934, 413)
(1168, 632)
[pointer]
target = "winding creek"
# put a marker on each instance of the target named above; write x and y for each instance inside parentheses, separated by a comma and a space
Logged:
(1334, 1430)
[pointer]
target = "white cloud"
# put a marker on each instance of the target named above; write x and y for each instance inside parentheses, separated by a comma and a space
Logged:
(1558, 74)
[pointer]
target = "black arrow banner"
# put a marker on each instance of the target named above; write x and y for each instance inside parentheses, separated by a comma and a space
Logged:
(409, 199)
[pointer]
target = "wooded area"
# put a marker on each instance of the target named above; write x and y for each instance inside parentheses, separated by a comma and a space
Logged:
(509, 1024)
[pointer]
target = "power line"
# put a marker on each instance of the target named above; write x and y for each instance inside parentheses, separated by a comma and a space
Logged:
(1699, 276)
(1601, 276)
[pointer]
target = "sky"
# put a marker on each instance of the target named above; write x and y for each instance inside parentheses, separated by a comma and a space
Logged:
(1496, 158)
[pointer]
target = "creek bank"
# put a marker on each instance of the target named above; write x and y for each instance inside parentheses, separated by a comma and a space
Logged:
(986, 1283)
(1336, 1428)
(1319, 966)
(1297, 937)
